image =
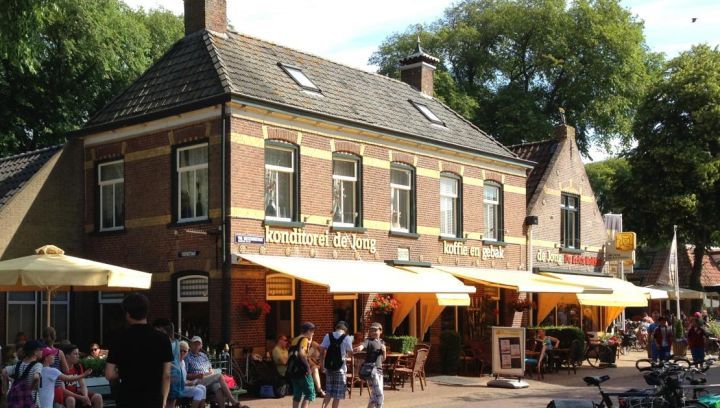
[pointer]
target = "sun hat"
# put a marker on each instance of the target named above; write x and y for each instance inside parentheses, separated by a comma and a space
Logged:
(49, 351)
(376, 325)
(196, 339)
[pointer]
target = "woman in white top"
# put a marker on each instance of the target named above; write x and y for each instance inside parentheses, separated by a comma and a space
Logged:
(192, 389)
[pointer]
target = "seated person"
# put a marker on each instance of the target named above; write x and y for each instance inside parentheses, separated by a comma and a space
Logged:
(548, 344)
(75, 393)
(193, 389)
(95, 351)
(199, 368)
(280, 355)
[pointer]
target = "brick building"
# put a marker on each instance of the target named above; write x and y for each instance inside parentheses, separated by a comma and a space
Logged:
(238, 170)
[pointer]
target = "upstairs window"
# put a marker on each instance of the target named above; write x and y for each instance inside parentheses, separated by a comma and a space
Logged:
(450, 218)
(402, 198)
(111, 183)
(192, 177)
(570, 221)
(281, 182)
(493, 211)
(425, 110)
(299, 77)
(346, 191)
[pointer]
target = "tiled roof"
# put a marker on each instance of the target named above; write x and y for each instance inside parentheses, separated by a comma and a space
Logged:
(658, 273)
(539, 152)
(205, 64)
(16, 171)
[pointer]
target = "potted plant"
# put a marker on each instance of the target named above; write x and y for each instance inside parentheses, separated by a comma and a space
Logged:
(521, 305)
(679, 347)
(384, 304)
(253, 311)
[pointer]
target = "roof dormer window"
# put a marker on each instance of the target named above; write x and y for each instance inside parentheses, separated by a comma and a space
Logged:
(428, 113)
(298, 76)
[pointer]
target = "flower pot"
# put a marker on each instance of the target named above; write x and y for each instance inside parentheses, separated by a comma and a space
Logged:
(679, 348)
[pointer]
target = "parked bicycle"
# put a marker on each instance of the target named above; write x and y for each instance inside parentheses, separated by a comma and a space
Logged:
(599, 355)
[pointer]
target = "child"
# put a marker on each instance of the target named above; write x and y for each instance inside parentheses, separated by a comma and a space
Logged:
(49, 375)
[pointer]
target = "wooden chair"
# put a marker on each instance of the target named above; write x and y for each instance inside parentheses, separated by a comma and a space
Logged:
(415, 368)
(570, 359)
(536, 362)
(353, 374)
(472, 355)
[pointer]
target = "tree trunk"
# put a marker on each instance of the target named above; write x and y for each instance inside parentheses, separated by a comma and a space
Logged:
(695, 283)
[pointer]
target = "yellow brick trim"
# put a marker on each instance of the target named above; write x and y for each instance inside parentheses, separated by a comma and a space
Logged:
(264, 131)
(215, 213)
(214, 274)
(248, 140)
(147, 221)
(148, 154)
(376, 225)
(472, 181)
(543, 243)
(315, 219)
(250, 213)
(299, 138)
(332, 145)
(587, 199)
(373, 162)
(515, 240)
(428, 173)
(514, 189)
(315, 153)
(362, 149)
(593, 249)
(89, 228)
(161, 277)
(428, 230)
(89, 165)
(474, 235)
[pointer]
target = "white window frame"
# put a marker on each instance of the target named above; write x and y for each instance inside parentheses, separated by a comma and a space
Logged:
(179, 170)
(444, 196)
(394, 206)
(338, 207)
(112, 182)
(495, 203)
(565, 210)
(299, 77)
(281, 169)
(9, 302)
(189, 299)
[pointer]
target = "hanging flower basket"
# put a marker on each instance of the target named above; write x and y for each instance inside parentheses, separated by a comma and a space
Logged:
(253, 311)
(384, 304)
(522, 305)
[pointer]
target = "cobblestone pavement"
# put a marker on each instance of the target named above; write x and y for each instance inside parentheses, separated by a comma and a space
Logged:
(474, 393)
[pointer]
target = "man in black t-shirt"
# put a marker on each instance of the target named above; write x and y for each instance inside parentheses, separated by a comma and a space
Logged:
(376, 352)
(140, 358)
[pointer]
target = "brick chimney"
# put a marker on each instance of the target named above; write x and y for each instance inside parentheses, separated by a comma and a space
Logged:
(417, 70)
(210, 15)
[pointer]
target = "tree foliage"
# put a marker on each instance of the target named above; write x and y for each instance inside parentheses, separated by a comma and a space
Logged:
(675, 168)
(514, 63)
(61, 60)
(607, 178)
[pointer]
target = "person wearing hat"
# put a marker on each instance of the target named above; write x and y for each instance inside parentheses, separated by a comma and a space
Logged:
(376, 352)
(32, 352)
(335, 378)
(303, 387)
(199, 368)
(51, 374)
(696, 335)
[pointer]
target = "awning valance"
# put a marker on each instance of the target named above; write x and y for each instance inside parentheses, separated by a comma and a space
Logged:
(522, 281)
(623, 293)
(345, 276)
(669, 292)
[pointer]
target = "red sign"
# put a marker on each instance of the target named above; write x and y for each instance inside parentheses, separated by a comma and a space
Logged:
(582, 260)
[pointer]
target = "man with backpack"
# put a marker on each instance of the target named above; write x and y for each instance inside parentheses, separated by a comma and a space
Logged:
(298, 367)
(333, 350)
(26, 377)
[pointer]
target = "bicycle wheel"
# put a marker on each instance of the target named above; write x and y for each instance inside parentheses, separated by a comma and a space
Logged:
(593, 356)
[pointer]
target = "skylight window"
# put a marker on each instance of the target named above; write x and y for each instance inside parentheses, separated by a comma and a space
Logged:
(428, 113)
(298, 76)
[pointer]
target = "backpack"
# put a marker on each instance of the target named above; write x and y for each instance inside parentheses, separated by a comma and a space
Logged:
(20, 393)
(333, 358)
(295, 366)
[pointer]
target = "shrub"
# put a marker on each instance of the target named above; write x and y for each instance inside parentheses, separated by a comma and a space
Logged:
(713, 327)
(449, 351)
(97, 365)
(566, 334)
(401, 344)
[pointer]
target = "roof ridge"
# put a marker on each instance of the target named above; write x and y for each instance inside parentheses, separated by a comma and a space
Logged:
(218, 62)
(531, 143)
(321, 57)
(31, 152)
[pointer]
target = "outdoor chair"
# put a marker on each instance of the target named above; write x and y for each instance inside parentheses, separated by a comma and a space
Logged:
(414, 369)
(354, 373)
(570, 360)
(472, 355)
(536, 363)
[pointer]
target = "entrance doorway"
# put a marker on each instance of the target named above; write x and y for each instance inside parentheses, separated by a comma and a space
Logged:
(193, 306)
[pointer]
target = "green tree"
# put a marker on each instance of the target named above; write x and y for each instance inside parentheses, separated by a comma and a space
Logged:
(522, 60)
(675, 168)
(62, 60)
(607, 178)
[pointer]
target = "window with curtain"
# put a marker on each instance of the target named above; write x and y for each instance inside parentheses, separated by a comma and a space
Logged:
(493, 212)
(192, 182)
(401, 195)
(449, 206)
(345, 191)
(570, 221)
(280, 168)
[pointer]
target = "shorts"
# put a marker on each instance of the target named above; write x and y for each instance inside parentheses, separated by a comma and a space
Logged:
(335, 383)
(60, 395)
(303, 387)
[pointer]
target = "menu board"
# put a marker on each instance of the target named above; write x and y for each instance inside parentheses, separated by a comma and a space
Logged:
(508, 351)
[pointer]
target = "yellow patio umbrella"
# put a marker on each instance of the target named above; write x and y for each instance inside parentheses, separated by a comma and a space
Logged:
(51, 270)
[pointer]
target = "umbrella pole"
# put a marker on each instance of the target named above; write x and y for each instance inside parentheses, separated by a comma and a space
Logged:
(49, 306)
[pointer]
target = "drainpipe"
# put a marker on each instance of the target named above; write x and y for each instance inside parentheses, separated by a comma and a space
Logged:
(225, 226)
(530, 220)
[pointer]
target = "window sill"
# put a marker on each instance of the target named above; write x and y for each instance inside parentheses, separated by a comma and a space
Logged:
(496, 243)
(339, 228)
(570, 251)
(284, 224)
(397, 262)
(176, 224)
(107, 233)
(451, 239)
(401, 234)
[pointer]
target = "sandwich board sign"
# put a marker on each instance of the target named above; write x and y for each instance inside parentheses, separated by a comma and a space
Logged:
(508, 357)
